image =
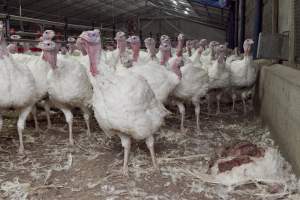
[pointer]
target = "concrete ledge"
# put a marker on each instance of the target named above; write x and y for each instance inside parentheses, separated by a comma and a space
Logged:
(279, 97)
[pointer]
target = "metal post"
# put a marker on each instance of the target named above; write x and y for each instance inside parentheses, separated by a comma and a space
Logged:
(66, 29)
(292, 31)
(275, 5)
(257, 24)
(141, 36)
(231, 26)
(160, 24)
(5, 8)
(138, 24)
(236, 25)
(20, 13)
(114, 31)
(242, 9)
(157, 40)
(7, 26)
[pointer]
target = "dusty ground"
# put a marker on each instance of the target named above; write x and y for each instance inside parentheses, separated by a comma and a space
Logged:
(50, 169)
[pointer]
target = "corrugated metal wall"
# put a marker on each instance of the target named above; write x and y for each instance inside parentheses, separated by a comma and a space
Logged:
(297, 29)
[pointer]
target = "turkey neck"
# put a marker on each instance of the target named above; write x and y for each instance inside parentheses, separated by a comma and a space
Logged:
(179, 48)
(195, 57)
(221, 58)
(247, 51)
(247, 54)
(93, 51)
(200, 50)
(122, 50)
(121, 45)
(165, 56)
(212, 53)
(50, 57)
(151, 51)
(136, 51)
(176, 69)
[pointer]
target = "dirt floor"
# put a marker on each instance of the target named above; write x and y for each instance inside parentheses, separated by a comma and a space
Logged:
(51, 169)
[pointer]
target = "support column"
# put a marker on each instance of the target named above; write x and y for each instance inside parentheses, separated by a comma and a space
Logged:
(275, 5)
(66, 29)
(257, 24)
(236, 25)
(242, 9)
(231, 25)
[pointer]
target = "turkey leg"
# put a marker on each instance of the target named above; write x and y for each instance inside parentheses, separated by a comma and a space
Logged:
(150, 145)
(21, 125)
(126, 143)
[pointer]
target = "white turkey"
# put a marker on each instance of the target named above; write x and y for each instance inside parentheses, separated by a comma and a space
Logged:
(195, 44)
(243, 74)
(12, 48)
(189, 49)
(219, 76)
(121, 54)
(17, 83)
(123, 102)
(161, 80)
(138, 57)
(23, 58)
(196, 57)
(165, 39)
(150, 45)
(71, 45)
(235, 56)
(192, 87)
(208, 55)
(40, 67)
(178, 51)
(48, 35)
(68, 85)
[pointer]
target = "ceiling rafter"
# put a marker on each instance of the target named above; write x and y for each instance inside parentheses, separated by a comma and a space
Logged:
(106, 11)
(134, 12)
(124, 11)
(63, 7)
(46, 4)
